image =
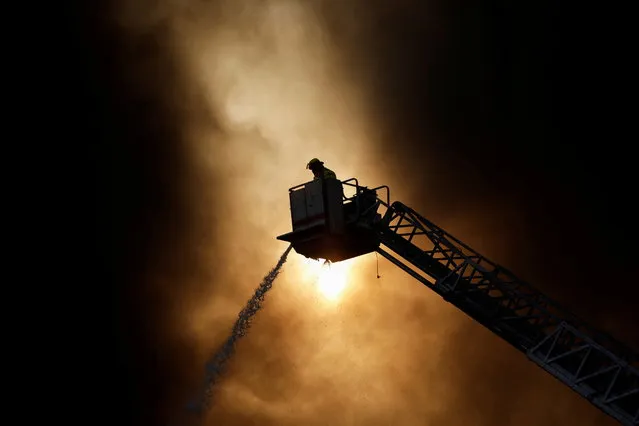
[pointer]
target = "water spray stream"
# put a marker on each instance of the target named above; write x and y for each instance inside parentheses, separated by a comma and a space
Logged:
(216, 366)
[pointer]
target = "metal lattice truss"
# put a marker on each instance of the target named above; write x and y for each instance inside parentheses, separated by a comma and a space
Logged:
(593, 364)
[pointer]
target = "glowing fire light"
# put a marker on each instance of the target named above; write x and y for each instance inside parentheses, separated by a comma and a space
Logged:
(330, 278)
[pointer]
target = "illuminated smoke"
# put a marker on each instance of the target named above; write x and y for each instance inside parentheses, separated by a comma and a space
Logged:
(254, 89)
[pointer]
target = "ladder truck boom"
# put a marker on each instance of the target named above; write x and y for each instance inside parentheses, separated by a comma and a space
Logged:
(329, 225)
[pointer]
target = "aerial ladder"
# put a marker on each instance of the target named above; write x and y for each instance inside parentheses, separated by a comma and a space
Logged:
(330, 225)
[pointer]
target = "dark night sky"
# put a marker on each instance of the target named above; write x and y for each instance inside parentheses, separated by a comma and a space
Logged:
(521, 101)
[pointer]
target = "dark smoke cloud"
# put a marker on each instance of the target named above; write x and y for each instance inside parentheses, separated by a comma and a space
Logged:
(153, 230)
(467, 98)
(465, 122)
(468, 95)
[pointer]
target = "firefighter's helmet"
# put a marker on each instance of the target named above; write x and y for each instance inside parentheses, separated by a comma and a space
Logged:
(314, 162)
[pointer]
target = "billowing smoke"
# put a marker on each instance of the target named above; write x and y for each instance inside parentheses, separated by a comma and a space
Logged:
(219, 106)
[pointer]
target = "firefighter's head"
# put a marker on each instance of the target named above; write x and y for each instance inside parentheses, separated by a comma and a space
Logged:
(316, 166)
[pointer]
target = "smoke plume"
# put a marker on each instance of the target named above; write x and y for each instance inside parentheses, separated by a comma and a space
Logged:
(215, 109)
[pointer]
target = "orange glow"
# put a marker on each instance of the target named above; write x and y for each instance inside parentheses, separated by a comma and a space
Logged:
(330, 279)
